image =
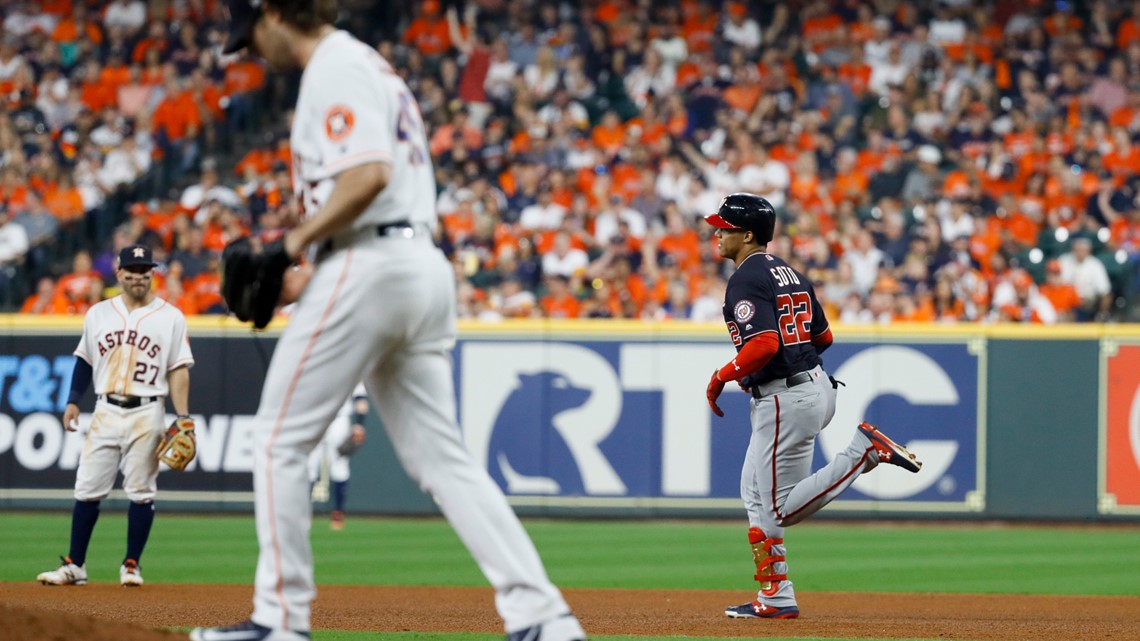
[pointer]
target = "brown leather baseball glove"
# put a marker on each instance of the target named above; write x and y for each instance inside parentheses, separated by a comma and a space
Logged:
(177, 446)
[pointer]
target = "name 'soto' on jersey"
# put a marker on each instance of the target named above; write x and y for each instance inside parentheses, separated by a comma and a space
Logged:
(765, 294)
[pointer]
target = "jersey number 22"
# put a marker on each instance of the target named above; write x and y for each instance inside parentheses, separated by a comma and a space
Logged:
(794, 311)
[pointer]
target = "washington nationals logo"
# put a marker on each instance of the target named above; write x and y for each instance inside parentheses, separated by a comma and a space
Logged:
(338, 122)
(744, 311)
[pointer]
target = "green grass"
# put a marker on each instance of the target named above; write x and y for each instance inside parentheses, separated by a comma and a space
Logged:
(828, 556)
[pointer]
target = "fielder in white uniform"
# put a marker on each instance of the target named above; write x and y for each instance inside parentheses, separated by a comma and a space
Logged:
(379, 307)
(328, 464)
(136, 347)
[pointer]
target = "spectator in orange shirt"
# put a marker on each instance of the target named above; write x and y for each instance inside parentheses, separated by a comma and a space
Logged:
(156, 39)
(75, 288)
(429, 32)
(1062, 295)
(177, 121)
(206, 290)
(64, 201)
(242, 78)
(94, 93)
(75, 26)
(44, 300)
(560, 302)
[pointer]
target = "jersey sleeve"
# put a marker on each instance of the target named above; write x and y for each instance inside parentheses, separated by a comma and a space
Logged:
(819, 323)
(180, 355)
(355, 120)
(86, 346)
(753, 308)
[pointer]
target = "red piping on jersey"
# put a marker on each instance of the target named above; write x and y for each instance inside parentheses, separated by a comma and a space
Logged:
(279, 588)
(752, 357)
(775, 449)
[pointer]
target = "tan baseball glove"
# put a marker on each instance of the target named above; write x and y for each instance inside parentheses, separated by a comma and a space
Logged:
(177, 446)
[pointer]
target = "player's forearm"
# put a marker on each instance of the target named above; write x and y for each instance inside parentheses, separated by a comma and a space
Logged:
(355, 189)
(751, 358)
(80, 381)
(179, 382)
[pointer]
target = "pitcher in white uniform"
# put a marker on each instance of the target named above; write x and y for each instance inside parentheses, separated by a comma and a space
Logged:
(135, 346)
(379, 307)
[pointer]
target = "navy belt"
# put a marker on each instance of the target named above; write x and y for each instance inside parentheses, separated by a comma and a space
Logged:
(791, 381)
(128, 402)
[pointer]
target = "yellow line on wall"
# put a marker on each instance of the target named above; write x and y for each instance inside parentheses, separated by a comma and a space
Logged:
(538, 328)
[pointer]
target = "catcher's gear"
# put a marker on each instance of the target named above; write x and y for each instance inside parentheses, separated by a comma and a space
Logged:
(251, 282)
(746, 211)
(178, 446)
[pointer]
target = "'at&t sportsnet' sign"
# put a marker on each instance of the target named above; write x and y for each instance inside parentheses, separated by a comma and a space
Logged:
(1120, 435)
(38, 457)
(605, 422)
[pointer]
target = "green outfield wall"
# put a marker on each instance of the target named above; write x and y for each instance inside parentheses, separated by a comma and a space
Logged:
(609, 419)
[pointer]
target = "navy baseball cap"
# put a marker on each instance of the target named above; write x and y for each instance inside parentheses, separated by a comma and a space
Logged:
(135, 255)
(243, 15)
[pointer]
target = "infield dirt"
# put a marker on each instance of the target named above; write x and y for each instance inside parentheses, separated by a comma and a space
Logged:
(98, 612)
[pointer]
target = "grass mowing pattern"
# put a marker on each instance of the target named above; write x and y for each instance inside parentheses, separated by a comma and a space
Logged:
(614, 554)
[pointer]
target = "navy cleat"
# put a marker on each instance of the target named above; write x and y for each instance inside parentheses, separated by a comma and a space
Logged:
(889, 451)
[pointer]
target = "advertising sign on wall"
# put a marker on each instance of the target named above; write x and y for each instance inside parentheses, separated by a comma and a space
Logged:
(1120, 442)
(599, 422)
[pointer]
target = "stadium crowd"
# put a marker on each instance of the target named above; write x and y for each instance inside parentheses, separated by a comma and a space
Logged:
(965, 160)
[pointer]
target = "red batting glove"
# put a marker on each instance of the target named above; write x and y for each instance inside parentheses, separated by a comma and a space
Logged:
(716, 386)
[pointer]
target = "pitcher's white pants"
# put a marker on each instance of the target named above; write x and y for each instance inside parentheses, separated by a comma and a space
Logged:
(382, 311)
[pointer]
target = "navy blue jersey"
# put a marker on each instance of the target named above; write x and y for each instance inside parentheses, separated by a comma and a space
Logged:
(766, 295)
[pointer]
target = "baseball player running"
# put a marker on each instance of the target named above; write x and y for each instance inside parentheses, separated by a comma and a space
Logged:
(779, 330)
(135, 345)
(329, 460)
(379, 307)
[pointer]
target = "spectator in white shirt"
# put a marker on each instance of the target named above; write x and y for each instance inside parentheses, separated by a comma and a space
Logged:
(196, 197)
(10, 60)
(544, 214)
(765, 177)
(892, 72)
(740, 29)
(606, 225)
(564, 259)
(502, 72)
(124, 164)
(130, 15)
(865, 260)
(947, 27)
(669, 43)
(1088, 276)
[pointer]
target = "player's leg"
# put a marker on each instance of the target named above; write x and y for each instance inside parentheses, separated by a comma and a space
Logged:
(776, 597)
(98, 463)
(338, 432)
(805, 410)
(414, 394)
(316, 363)
(140, 483)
